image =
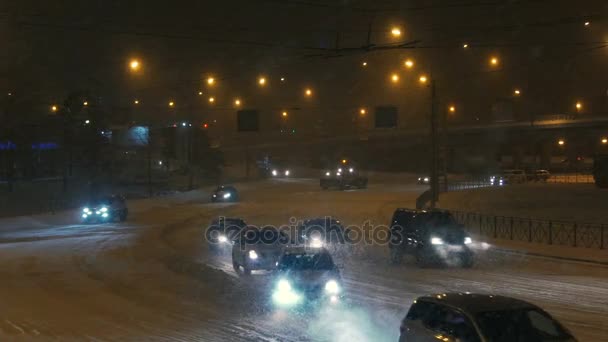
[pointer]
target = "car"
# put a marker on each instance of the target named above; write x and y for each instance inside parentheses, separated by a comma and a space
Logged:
(345, 176)
(258, 249)
(105, 209)
(306, 276)
(479, 318)
(222, 231)
(319, 232)
(498, 180)
(539, 175)
(432, 237)
(425, 179)
(514, 176)
(279, 172)
(225, 193)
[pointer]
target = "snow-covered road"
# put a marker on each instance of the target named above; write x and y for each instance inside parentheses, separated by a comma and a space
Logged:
(152, 278)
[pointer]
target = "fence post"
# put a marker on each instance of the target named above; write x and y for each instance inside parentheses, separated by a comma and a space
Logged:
(495, 234)
(550, 232)
(575, 230)
(529, 230)
(511, 229)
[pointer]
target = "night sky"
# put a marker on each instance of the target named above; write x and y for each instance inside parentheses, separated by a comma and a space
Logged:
(544, 49)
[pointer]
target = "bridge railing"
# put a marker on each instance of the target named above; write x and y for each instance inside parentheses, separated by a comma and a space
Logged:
(551, 232)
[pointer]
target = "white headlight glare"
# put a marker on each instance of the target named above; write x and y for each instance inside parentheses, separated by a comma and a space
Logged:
(338, 174)
(340, 170)
(351, 170)
(104, 215)
(436, 241)
(468, 240)
(103, 209)
(227, 195)
(222, 238)
(284, 285)
(328, 173)
(253, 255)
(274, 172)
(316, 242)
(287, 173)
(84, 215)
(426, 179)
(332, 287)
(85, 210)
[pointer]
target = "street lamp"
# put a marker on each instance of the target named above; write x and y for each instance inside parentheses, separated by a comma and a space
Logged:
(210, 81)
(561, 142)
(136, 102)
(85, 103)
(494, 61)
(587, 23)
(364, 64)
(282, 79)
(237, 102)
(211, 99)
(452, 109)
(362, 111)
(171, 104)
(54, 108)
(409, 63)
(284, 114)
(423, 79)
(395, 78)
(396, 32)
(517, 92)
(200, 93)
(465, 46)
(604, 141)
(134, 65)
(308, 92)
(579, 106)
(262, 81)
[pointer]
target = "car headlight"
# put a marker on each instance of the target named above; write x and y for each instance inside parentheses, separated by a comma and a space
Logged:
(351, 170)
(274, 172)
(85, 215)
(426, 179)
(332, 287)
(338, 174)
(468, 240)
(253, 255)
(419, 179)
(214, 195)
(286, 172)
(103, 209)
(436, 241)
(104, 215)
(227, 195)
(340, 170)
(328, 173)
(85, 210)
(222, 238)
(316, 242)
(284, 285)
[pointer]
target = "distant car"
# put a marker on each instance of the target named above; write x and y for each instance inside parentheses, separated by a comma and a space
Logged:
(479, 318)
(258, 249)
(105, 209)
(306, 276)
(319, 232)
(514, 176)
(343, 177)
(225, 193)
(279, 172)
(498, 180)
(424, 180)
(222, 231)
(539, 176)
(433, 237)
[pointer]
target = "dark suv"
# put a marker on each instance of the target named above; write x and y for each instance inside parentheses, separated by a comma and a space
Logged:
(433, 237)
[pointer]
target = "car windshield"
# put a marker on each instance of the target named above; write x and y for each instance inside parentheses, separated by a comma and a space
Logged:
(321, 261)
(520, 326)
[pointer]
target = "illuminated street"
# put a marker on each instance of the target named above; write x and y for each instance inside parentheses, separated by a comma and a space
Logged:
(152, 277)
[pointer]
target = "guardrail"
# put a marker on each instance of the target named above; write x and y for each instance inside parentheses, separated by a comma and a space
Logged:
(571, 178)
(551, 232)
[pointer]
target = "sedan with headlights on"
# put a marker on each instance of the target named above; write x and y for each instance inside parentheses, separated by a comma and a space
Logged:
(225, 193)
(104, 209)
(258, 249)
(222, 231)
(306, 276)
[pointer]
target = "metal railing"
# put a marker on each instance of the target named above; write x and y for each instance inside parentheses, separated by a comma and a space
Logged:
(571, 178)
(551, 232)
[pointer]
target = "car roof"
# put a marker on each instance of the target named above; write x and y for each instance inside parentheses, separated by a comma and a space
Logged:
(474, 303)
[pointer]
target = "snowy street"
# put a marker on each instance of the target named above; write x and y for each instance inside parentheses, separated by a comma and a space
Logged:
(152, 277)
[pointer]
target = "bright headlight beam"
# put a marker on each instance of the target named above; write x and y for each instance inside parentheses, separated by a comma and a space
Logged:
(227, 195)
(328, 173)
(103, 209)
(286, 172)
(468, 240)
(85, 210)
(436, 241)
(332, 287)
(284, 285)
(274, 172)
(222, 239)
(253, 255)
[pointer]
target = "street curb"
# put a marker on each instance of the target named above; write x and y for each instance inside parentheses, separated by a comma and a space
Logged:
(539, 255)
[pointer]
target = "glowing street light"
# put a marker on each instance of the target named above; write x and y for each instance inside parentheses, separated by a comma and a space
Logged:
(587, 23)
(409, 63)
(282, 79)
(171, 104)
(396, 32)
(211, 99)
(423, 79)
(395, 78)
(237, 102)
(136, 102)
(134, 65)
(262, 81)
(284, 114)
(578, 106)
(210, 81)
(85, 103)
(465, 46)
(561, 142)
(452, 109)
(362, 111)
(364, 64)
(494, 61)
(308, 92)
(200, 93)
(516, 92)
(604, 141)
(54, 108)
